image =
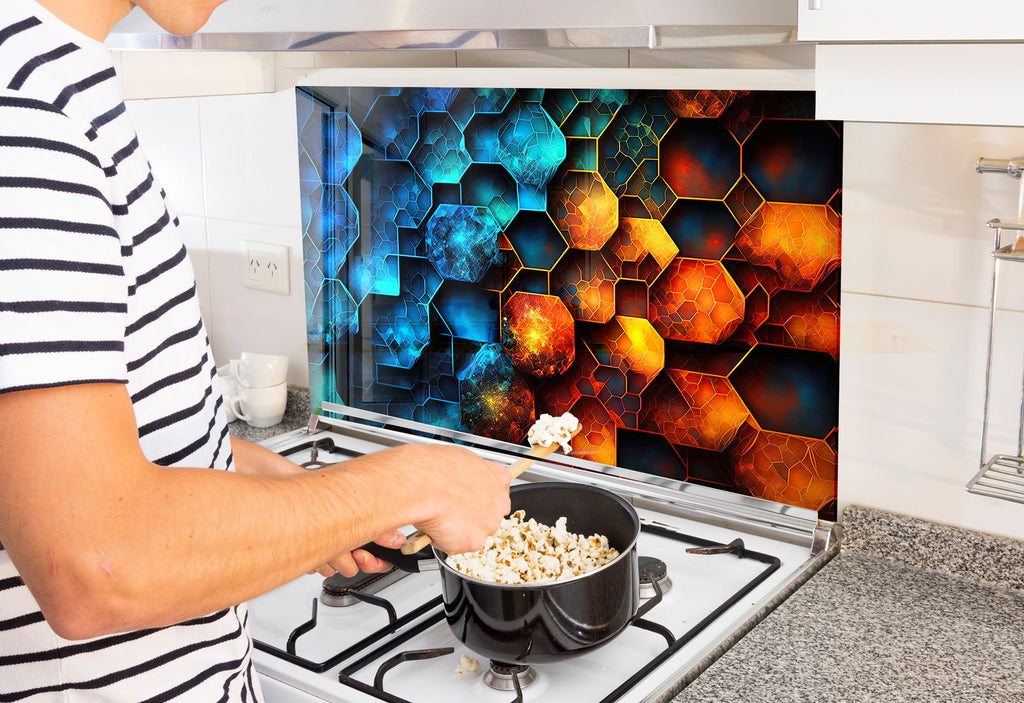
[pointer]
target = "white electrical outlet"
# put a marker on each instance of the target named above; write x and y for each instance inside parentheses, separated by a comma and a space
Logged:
(265, 266)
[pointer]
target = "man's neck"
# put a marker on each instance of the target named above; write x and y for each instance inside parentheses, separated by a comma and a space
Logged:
(94, 18)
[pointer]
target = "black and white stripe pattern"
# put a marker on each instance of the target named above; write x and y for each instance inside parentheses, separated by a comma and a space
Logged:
(96, 286)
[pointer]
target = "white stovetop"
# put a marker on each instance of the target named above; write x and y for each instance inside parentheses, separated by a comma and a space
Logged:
(700, 584)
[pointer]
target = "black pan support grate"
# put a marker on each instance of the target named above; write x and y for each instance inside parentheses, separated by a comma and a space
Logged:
(432, 613)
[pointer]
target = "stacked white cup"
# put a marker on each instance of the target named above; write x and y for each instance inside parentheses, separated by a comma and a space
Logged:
(255, 389)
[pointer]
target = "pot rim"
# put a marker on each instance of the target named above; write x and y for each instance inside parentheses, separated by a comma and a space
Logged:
(441, 556)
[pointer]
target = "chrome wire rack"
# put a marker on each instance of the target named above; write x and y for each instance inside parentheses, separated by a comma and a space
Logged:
(1001, 475)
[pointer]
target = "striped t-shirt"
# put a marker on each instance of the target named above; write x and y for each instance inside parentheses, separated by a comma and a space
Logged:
(95, 286)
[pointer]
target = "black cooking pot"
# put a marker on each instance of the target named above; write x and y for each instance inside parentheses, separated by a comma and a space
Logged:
(543, 622)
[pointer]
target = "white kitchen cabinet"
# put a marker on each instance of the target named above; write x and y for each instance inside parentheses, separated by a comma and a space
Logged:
(937, 83)
(910, 20)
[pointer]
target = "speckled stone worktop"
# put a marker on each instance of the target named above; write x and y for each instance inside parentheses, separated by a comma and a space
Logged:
(296, 415)
(908, 611)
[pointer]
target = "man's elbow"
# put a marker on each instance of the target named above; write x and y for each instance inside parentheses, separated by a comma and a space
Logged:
(82, 604)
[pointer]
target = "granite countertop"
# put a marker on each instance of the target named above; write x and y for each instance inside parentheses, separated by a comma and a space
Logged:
(296, 415)
(907, 611)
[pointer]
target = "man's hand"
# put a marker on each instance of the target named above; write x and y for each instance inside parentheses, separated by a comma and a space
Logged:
(467, 495)
(351, 563)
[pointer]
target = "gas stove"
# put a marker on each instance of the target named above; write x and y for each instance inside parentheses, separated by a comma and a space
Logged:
(712, 565)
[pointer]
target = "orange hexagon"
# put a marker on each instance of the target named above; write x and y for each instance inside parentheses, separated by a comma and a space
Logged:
(634, 347)
(584, 209)
(596, 441)
(640, 249)
(538, 334)
(586, 284)
(799, 242)
(785, 468)
(696, 410)
(696, 300)
(815, 329)
(701, 103)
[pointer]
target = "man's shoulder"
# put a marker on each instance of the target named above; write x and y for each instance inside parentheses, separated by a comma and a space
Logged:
(30, 126)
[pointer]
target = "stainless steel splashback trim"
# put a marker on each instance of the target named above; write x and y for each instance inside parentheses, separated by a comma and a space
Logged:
(785, 521)
(623, 37)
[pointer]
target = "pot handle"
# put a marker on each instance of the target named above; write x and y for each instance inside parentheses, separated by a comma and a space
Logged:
(416, 562)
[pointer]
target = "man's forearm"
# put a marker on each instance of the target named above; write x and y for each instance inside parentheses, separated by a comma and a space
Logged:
(109, 541)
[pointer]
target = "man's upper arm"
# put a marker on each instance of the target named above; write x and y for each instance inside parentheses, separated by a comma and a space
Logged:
(63, 293)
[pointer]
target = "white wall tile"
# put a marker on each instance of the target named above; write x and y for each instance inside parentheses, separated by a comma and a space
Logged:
(168, 131)
(168, 74)
(910, 421)
(244, 319)
(250, 158)
(914, 210)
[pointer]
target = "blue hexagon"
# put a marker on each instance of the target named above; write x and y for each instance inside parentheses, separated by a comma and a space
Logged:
(559, 104)
(536, 240)
(401, 330)
(372, 273)
(491, 186)
(468, 311)
(420, 100)
(308, 168)
(420, 279)
(439, 413)
(399, 193)
(391, 128)
(530, 145)
(482, 138)
(462, 241)
(331, 228)
(341, 227)
(348, 147)
(341, 314)
(313, 147)
(438, 367)
(470, 101)
(496, 399)
(594, 111)
(440, 155)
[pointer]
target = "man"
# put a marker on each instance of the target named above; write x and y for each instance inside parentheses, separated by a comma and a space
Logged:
(124, 555)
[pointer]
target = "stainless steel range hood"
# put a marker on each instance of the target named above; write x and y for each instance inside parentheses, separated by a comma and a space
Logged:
(461, 25)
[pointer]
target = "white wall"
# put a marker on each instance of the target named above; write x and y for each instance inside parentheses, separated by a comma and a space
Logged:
(229, 165)
(916, 280)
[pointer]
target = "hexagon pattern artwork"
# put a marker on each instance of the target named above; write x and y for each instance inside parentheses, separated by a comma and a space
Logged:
(696, 300)
(662, 264)
(538, 334)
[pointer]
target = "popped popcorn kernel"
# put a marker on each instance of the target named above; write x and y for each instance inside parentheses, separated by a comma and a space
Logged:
(529, 552)
(548, 430)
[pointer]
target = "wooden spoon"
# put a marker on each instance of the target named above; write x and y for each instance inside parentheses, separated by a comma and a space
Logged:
(418, 540)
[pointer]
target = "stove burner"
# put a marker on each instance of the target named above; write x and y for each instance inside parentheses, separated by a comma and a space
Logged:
(314, 463)
(651, 567)
(338, 591)
(501, 676)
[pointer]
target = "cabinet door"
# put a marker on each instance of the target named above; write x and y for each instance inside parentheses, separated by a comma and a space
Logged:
(910, 20)
(940, 83)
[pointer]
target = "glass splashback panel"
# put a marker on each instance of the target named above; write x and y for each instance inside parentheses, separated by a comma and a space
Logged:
(663, 264)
